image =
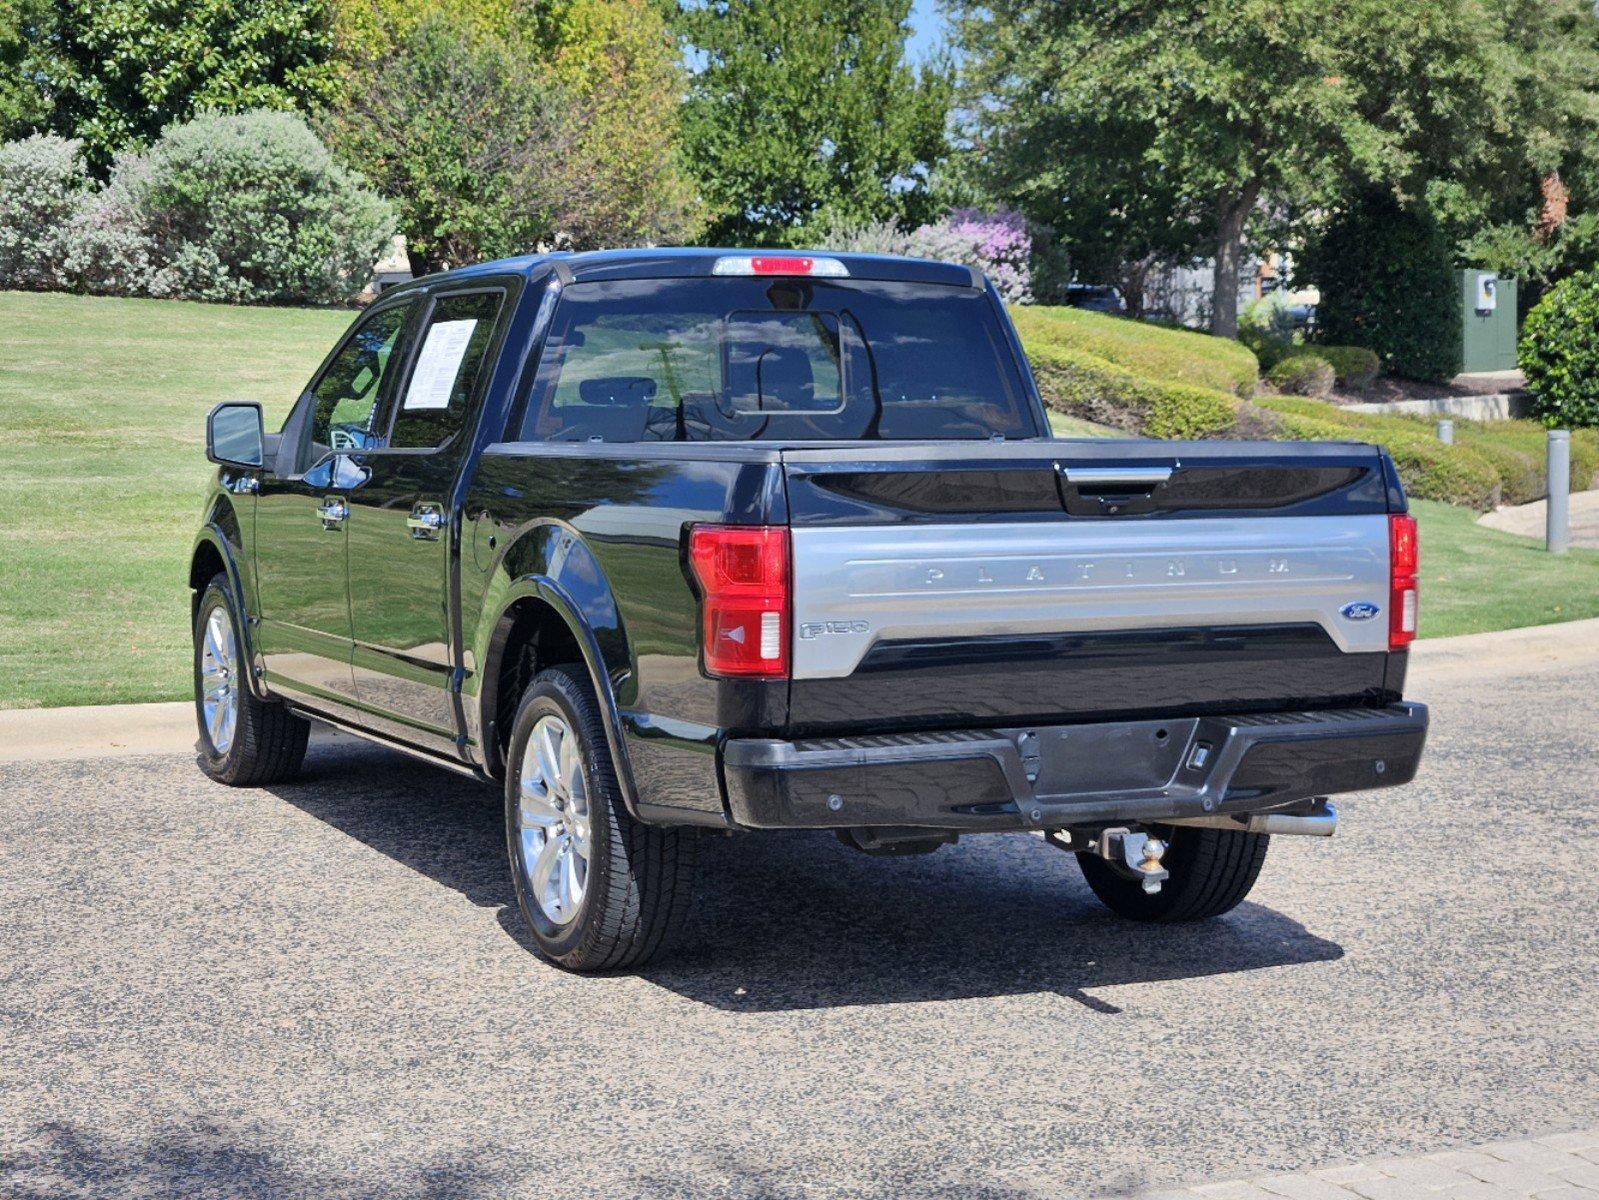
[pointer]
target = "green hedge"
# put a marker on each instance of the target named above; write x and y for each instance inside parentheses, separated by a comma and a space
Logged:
(1303, 375)
(1084, 385)
(1559, 353)
(1490, 462)
(1149, 351)
(1356, 367)
(1493, 462)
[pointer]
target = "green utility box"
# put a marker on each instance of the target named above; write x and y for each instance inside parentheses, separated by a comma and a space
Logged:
(1488, 314)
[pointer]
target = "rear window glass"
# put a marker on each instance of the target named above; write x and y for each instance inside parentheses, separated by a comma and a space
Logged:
(793, 359)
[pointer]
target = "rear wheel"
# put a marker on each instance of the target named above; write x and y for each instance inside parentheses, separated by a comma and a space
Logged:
(244, 741)
(597, 889)
(1212, 870)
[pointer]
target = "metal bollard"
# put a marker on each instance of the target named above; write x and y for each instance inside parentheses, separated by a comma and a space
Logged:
(1446, 432)
(1557, 529)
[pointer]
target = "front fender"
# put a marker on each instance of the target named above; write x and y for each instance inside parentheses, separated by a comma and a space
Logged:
(213, 539)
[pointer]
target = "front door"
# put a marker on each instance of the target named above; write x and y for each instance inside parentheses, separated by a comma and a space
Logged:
(403, 530)
(302, 512)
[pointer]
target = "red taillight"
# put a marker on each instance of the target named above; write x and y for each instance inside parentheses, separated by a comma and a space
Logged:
(781, 265)
(742, 572)
(1403, 559)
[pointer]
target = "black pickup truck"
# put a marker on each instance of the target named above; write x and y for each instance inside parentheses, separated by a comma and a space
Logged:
(672, 541)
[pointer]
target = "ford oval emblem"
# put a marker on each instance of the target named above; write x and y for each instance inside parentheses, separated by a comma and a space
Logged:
(1359, 610)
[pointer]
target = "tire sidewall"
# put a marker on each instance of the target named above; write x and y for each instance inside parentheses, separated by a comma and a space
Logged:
(549, 696)
(214, 763)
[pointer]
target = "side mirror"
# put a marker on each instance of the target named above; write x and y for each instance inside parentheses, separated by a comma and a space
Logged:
(233, 434)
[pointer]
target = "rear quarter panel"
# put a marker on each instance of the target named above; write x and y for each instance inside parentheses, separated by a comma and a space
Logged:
(601, 525)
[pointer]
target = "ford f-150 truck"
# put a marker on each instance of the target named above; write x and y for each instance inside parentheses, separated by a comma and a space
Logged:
(667, 541)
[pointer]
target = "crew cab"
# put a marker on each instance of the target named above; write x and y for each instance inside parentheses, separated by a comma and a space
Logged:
(668, 541)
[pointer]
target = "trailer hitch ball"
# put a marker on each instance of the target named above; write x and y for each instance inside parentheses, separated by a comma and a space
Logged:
(1135, 855)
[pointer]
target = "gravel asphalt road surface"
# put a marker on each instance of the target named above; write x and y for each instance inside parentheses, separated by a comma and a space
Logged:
(322, 990)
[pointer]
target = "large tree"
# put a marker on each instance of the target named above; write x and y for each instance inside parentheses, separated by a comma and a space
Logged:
(806, 112)
(114, 73)
(499, 126)
(1173, 125)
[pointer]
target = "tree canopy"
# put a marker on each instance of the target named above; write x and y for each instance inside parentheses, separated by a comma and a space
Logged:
(1168, 129)
(114, 73)
(807, 112)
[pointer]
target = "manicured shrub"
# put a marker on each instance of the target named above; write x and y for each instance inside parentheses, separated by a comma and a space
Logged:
(1302, 375)
(1176, 410)
(1267, 329)
(251, 209)
(1083, 385)
(1559, 353)
(44, 186)
(1147, 350)
(1356, 367)
(1429, 469)
(57, 232)
(1387, 281)
(1071, 356)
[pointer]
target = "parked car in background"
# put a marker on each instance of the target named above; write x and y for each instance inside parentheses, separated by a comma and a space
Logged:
(662, 542)
(1096, 297)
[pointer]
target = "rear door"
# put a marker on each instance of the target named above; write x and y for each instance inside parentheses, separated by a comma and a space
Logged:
(402, 526)
(940, 585)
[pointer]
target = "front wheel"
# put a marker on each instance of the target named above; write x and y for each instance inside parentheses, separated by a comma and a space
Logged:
(1211, 870)
(597, 889)
(244, 741)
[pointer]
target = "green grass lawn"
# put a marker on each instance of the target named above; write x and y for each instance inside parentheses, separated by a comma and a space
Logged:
(1475, 579)
(1076, 427)
(102, 471)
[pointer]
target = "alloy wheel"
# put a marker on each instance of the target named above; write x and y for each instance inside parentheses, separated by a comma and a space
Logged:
(219, 687)
(553, 822)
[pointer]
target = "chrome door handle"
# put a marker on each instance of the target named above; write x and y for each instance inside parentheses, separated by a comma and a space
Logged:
(333, 511)
(425, 522)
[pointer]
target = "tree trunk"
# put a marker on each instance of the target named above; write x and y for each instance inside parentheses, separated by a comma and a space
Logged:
(1234, 213)
(1134, 280)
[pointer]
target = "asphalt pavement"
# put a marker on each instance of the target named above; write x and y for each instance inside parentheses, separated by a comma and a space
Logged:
(321, 990)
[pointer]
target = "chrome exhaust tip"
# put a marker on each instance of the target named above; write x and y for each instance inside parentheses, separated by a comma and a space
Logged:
(1320, 821)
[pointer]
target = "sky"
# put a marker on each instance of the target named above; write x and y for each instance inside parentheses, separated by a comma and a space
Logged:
(927, 26)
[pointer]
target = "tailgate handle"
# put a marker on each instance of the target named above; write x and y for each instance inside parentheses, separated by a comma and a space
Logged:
(1135, 478)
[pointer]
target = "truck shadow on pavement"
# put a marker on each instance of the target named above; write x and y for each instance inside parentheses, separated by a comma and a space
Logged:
(789, 921)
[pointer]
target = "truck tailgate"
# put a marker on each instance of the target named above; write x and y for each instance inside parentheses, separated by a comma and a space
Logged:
(939, 584)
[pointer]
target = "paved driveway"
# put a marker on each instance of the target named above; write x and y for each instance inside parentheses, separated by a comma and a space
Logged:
(321, 990)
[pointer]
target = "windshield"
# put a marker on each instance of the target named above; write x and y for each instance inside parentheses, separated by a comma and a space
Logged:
(792, 359)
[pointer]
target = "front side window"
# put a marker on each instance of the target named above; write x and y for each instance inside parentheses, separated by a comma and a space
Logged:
(449, 364)
(712, 359)
(347, 394)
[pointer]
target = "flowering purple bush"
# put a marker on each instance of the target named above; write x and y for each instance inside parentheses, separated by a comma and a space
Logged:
(998, 244)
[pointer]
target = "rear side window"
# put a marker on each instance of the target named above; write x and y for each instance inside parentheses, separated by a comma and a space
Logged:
(793, 359)
(447, 369)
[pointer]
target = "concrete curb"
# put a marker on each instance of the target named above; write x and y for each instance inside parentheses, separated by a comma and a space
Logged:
(1563, 1166)
(1537, 647)
(111, 730)
(106, 731)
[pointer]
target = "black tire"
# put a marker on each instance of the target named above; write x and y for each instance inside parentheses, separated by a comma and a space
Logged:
(640, 878)
(268, 742)
(1212, 871)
